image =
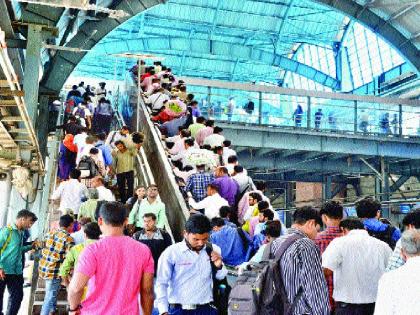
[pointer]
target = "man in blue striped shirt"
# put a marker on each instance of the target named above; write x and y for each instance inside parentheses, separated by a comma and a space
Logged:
(300, 265)
(184, 277)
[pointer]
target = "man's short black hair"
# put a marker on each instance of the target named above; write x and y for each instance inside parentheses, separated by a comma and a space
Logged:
(263, 205)
(217, 222)
(352, 223)
(94, 151)
(238, 168)
(137, 137)
(304, 214)
(217, 129)
(273, 229)
(27, 214)
(227, 143)
(101, 136)
(65, 221)
(189, 142)
(367, 207)
(75, 173)
(260, 185)
(198, 224)
(412, 218)
(225, 211)
(223, 169)
(267, 213)
(210, 123)
(232, 159)
(213, 186)
(185, 133)
(125, 128)
(150, 215)
(255, 196)
(92, 230)
(332, 209)
(119, 142)
(206, 147)
(113, 213)
(200, 119)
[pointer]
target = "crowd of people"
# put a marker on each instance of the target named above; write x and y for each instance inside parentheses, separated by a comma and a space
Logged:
(115, 257)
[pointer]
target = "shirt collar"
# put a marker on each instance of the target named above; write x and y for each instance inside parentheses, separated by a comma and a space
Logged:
(296, 231)
(185, 248)
(413, 261)
(358, 232)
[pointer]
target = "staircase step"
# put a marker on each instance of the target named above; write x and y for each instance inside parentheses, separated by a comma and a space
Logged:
(40, 295)
(61, 308)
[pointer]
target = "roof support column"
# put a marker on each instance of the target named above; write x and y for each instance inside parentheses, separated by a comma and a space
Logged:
(289, 203)
(338, 56)
(32, 67)
(5, 192)
(42, 124)
(326, 188)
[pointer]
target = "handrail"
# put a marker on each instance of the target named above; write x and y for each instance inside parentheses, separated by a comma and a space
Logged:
(160, 167)
(144, 172)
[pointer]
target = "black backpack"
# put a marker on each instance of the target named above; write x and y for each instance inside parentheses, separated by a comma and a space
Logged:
(87, 167)
(385, 236)
(260, 290)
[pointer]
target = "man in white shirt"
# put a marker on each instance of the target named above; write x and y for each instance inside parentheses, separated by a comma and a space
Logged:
(156, 100)
(244, 181)
(227, 150)
(399, 290)
(103, 192)
(232, 161)
(80, 140)
(357, 261)
(216, 139)
(117, 135)
(211, 204)
(71, 192)
(85, 150)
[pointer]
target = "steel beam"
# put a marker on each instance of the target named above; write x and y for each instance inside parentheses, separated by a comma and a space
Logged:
(225, 49)
(291, 139)
(395, 186)
(388, 31)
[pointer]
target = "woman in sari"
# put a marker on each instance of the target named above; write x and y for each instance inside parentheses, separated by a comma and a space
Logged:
(67, 160)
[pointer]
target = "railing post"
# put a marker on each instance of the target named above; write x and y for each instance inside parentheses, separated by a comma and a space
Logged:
(308, 114)
(355, 117)
(259, 108)
(400, 120)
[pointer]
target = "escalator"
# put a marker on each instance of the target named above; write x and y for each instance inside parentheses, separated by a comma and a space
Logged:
(153, 161)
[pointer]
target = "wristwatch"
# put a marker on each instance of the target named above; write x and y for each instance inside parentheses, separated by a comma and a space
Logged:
(78, 307)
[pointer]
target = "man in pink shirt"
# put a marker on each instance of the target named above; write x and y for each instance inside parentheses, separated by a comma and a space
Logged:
(116, 269)
(204, 132)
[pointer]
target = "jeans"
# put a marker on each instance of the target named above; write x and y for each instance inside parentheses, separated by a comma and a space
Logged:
(354, 309)
(50, 300)
(124, 179)
(201, 310)
(14, 285)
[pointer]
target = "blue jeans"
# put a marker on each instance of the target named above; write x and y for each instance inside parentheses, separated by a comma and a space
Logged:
(201, 310)
(50, 300)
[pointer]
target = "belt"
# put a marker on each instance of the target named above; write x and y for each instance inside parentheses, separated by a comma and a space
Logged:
(188, 306)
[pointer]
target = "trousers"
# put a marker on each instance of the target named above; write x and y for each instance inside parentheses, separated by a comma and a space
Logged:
(14, 284)
(354, 309)
(201, 310)
(50, 300)
(123, 180)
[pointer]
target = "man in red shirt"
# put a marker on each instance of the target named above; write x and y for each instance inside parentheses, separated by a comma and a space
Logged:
(332, 214)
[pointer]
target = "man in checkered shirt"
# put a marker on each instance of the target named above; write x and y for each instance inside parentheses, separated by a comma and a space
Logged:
(57, 244)
(410, 221)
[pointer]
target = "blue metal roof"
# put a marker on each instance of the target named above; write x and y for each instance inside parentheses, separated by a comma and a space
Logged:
(235, 40)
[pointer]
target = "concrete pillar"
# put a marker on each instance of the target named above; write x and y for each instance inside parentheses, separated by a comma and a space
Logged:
(42, 124)
(289, 203)
(400, 120)
(326, 188)
(260, 107)
(355, 124)
(5, 191)
(308, 113)
(32, 69)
